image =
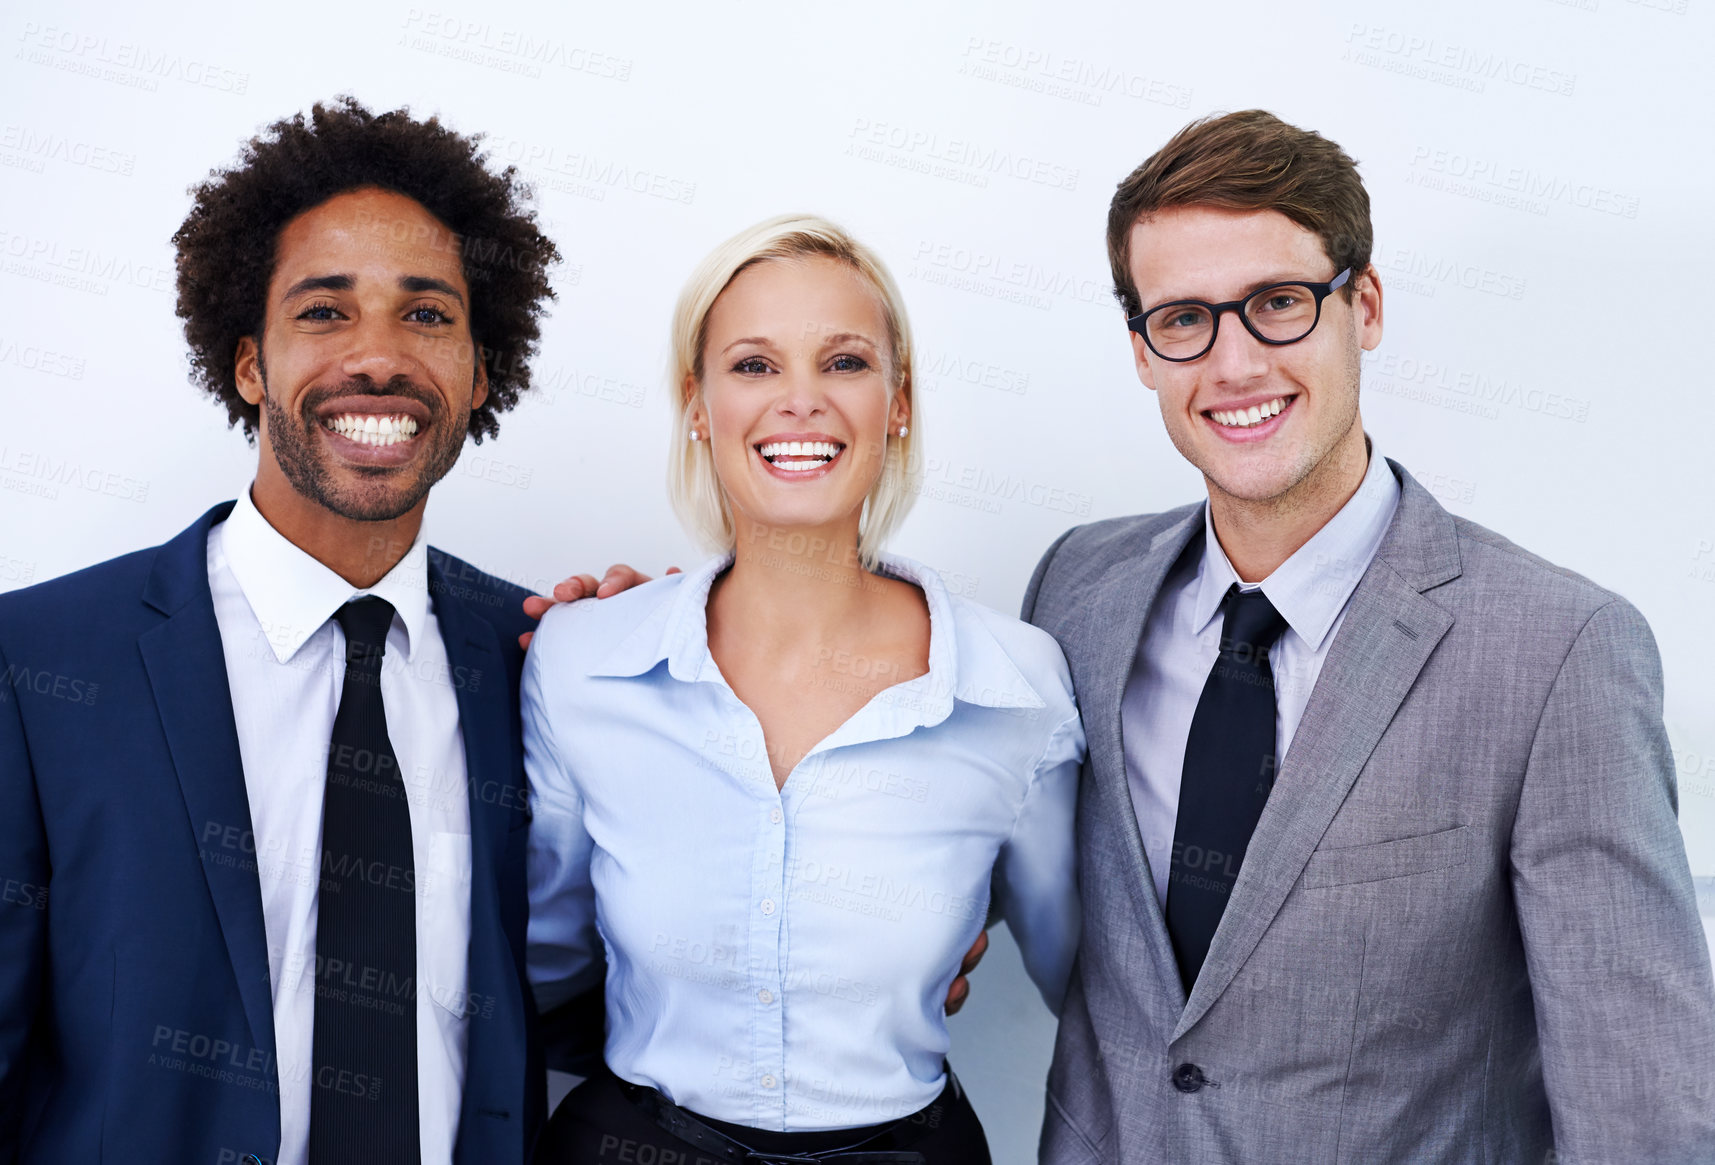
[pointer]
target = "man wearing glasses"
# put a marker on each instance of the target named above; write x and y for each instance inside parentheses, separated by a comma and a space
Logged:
(1378, 832)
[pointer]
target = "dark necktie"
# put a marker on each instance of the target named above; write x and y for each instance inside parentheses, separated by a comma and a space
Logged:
(1229, 770)
(363, 1096)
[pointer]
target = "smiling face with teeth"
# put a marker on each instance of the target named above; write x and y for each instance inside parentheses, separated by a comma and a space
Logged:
(796, 399)
(1270, 426)
(366, 372)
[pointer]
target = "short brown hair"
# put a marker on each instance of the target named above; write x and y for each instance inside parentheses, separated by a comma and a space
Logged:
(1249, 160)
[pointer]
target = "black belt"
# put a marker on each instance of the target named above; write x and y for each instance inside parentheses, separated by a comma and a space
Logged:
(891, 1146)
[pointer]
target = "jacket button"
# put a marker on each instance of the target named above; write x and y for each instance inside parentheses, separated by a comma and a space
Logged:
(1188, 1078)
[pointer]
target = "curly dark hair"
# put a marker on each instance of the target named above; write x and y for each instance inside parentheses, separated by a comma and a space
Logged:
(226, 245)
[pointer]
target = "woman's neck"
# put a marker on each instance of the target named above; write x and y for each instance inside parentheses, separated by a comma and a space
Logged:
(794, 586)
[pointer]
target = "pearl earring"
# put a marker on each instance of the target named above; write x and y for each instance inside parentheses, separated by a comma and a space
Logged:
(695, 436)
(903, 430)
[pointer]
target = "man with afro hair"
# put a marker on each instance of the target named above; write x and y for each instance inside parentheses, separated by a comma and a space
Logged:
(282, 829)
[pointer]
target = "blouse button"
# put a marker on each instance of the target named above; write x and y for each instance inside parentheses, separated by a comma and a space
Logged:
(774, 815)
(768, 906)
(768, 1081)
(765, 996)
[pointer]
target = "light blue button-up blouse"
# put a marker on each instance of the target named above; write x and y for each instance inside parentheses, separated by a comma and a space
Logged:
(781, 958)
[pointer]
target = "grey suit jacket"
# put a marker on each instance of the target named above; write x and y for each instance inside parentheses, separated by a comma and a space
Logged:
(1464, 930)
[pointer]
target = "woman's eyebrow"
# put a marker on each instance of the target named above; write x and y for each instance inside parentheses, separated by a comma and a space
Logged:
(846, 337)
(763, 340)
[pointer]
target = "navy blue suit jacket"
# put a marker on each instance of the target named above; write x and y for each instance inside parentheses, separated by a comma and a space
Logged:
(135, 1015)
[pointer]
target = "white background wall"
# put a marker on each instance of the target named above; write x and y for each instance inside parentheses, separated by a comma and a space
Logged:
(1539, 171)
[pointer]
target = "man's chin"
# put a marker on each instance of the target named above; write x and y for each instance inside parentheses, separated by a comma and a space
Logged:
(370, 505)
(349, 487)
(1254, 484)
(359, 495)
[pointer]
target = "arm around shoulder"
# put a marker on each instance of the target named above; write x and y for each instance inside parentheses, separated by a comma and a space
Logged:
(1036, 878)
(563, 951)
(1619, 965)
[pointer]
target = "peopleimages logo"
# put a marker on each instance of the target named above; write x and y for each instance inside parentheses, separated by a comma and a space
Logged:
(82, 268)
(950, 156)
(34, 358)
(1424, 273)
(511, 49)
(979, 487)
(125, 62)
(1491, 180)
(1430, 58)
(1069, 78)
(1465, 390)
(39, 147)
(936, 368)
(999, 276)
(28, 471)
(584, 175)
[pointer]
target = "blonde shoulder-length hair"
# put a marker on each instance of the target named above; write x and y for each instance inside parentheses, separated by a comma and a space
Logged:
(695, 490)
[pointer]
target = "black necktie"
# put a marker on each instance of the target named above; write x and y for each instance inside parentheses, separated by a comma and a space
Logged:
(363, 1095)
(1229, 770)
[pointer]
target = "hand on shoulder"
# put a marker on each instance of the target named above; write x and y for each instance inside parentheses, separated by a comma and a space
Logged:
(618, 579)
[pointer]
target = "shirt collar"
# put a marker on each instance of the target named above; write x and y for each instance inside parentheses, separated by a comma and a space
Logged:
(292, 593)
(1310, 588)
(966, 661)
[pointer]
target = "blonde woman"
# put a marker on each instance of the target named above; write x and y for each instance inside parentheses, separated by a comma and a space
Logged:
(775, 791)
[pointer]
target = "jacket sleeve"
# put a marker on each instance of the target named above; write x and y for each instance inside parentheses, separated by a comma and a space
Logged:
(1619, 965)
(24, 876)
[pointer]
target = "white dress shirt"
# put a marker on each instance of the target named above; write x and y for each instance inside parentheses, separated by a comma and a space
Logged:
(780, 958)
(285, 664)
(1182, 637)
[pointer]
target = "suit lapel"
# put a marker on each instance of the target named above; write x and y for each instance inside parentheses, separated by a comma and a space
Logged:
(485, 721)
(1389, 633)
(186, 665)
(1117, 612)
(495, 1059)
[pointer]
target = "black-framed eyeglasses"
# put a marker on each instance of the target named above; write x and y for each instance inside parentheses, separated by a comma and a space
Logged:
(1281, 313)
